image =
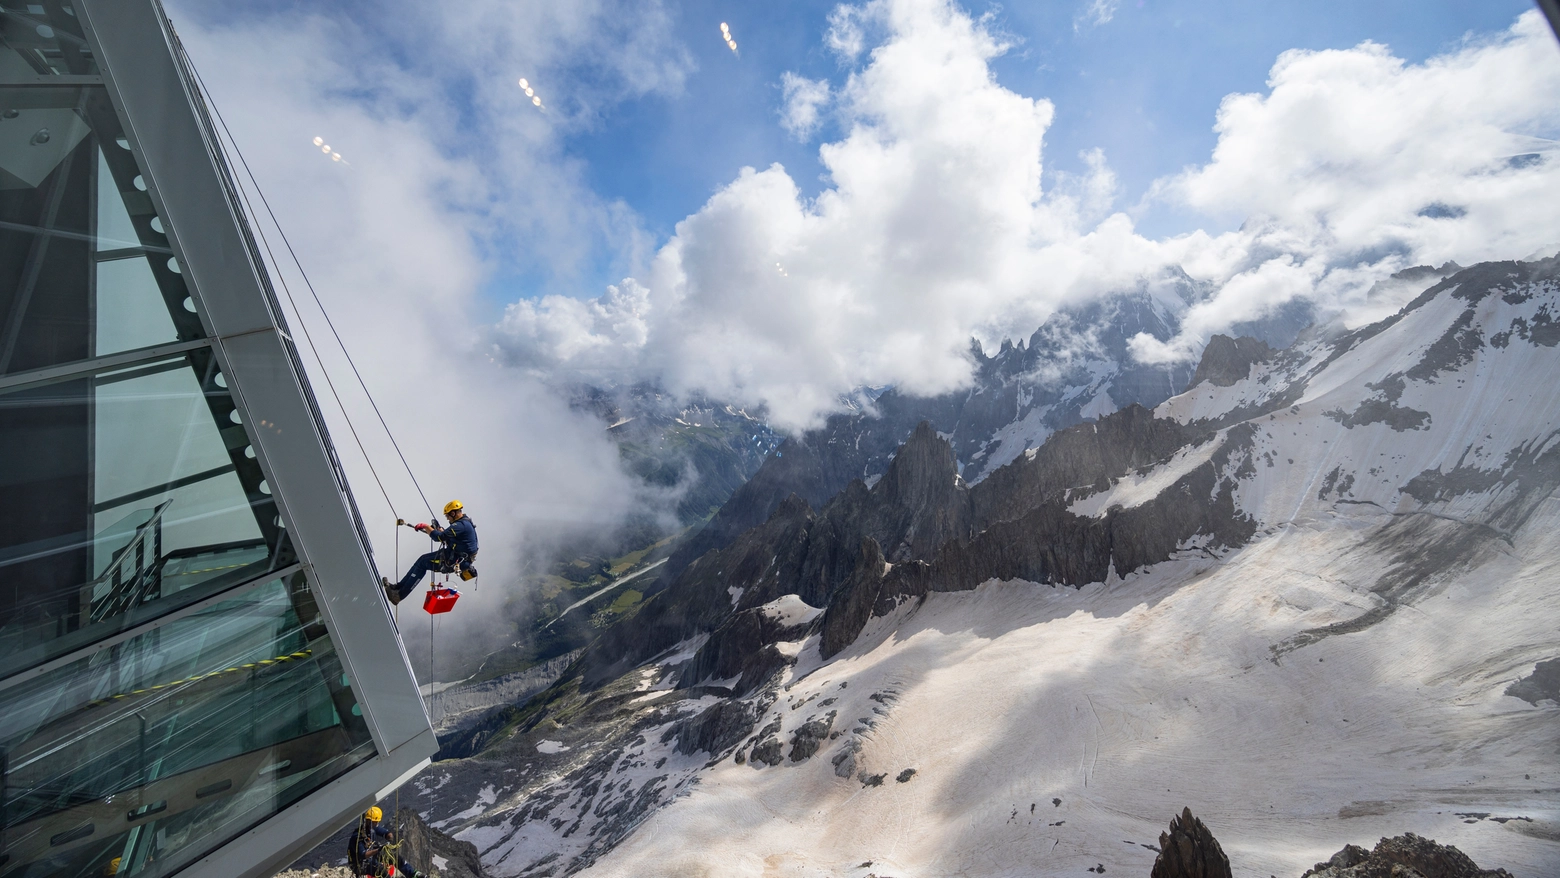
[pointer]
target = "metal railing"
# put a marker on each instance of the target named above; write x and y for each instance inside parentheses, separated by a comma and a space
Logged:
(132, 575)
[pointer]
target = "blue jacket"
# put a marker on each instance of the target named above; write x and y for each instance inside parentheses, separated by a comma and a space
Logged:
(460, 536)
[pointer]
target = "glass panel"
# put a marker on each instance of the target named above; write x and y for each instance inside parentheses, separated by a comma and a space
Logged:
(159, 749)
(85, 265)
(131, 312)
(129, 493)
(43, 38)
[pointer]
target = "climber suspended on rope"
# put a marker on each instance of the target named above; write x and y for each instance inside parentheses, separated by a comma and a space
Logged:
(457, 549)
(374, 850)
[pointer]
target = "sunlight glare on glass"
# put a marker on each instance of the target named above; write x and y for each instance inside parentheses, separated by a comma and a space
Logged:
(319, 141)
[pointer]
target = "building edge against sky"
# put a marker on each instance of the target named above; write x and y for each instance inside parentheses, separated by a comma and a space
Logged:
(197, 672)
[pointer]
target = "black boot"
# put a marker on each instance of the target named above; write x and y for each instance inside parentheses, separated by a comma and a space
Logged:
(392, 591)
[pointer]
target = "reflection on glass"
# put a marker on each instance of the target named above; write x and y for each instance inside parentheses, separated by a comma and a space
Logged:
(44, 38)
(84, 261)
(160, 748)
(130, 493)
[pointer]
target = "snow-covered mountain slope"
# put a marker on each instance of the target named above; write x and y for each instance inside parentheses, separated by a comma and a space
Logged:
(1294, 599)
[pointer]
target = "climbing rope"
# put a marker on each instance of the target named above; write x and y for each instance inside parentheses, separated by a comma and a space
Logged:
(321, 305)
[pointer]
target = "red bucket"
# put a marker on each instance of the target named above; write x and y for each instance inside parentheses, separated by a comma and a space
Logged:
(440, 600)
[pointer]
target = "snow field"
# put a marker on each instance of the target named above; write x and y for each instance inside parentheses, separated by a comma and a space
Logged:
(1130, 699)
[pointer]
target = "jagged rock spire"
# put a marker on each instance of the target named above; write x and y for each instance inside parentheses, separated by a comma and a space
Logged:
(1189, 850)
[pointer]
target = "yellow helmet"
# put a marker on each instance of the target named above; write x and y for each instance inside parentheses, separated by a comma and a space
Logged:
(452, 506)
(373, 815)
(113, 867)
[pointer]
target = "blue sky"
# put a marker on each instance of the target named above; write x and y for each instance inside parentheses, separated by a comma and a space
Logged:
(1144, 86)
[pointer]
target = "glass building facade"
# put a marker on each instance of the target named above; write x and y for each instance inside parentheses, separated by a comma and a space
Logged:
(197, 674)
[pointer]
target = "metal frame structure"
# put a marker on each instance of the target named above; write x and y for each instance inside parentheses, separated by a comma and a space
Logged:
(236, 327)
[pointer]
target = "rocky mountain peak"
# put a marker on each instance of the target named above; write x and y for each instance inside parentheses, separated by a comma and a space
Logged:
(1227, 360)
(920, 503)
(923, 471)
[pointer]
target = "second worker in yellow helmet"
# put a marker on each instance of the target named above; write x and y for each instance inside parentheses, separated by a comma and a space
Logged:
(457, 549)
(367, 850)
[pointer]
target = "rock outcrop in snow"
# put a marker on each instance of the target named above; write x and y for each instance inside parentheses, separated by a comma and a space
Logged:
(1403, 856)
(1227, 360)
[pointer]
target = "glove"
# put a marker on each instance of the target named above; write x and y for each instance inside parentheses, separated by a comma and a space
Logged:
(422, 527)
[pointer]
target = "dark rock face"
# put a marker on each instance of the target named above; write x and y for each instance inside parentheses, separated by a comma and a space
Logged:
(1403, 856)
(1543, 683)
(420, 843)
(1088, 454)
(1380, 411)
(719, 728)
(921, 500)
(844, 760)
(852, 607)
(945, 537)
(1189, 850)
(1047, 543)
(742, 647)
(1227, 360)
(794, 471)
(698, 600)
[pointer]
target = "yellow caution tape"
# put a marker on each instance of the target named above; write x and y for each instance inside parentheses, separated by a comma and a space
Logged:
(305, 653)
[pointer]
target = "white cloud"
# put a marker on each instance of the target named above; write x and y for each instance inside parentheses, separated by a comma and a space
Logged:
(928, 230)
(587, 333)
(1097, 13)
(846, 36)
(1356, 164)
(935, 227)
(804, 102)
